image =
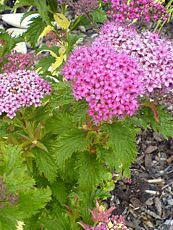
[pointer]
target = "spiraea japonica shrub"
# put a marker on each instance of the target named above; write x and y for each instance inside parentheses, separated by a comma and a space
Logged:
(69, 120)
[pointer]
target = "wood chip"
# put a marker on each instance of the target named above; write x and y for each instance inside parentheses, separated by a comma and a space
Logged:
(150, 213)
(170, 159)
(151, 149)
(152, 192)
(158, 205)
(155, 181)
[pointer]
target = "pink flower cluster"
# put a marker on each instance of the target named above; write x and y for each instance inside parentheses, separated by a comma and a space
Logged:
(143, 10)
(153, 52)
(109, 82)
(17, 61)
(21, 89)
(81, 6)
(105, 220)
(113, 223)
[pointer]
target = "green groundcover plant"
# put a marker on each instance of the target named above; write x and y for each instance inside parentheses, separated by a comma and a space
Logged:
(70, 111)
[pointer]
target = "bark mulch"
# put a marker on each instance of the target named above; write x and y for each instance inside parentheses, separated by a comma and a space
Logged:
(147, 200)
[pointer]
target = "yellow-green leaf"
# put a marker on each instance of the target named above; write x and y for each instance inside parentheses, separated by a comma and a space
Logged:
(57, 63)
(62, 21)
(46, 30)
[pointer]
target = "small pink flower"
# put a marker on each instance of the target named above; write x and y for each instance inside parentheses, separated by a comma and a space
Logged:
(21, 89)
(143, 10)
(18, 61)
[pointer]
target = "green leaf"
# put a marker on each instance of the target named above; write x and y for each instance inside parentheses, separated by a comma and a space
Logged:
(53, 5)
(90, 172)
(99, 15)
(44, 64)
(72, 40)
(45, 164)
(10, 42)
(122, 140)
(79, 111)
(4, 7)
(32, 201)
(59, 191)
(9, 217)
(35, 29)
(146, 120)
(13, 170)
(18, 182)
(43, 10)
(62, 94)
(68, 143)
(60, 123)
(21, 3)
(58, 214)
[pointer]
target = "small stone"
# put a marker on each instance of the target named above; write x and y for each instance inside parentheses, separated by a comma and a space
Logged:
(82, 29)
(1, 27)
(148, 161)
(170, 202)
(157, 137)
(151, 149)
(158, 205)
(135, 202)
(149, 202)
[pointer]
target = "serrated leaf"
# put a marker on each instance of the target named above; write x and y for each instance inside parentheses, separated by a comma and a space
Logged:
(62, 94)
(62, 21)
(99, 15)
(35, 29)
(44, 64)
(19, 180)
(90, 171)
(146, 120)
(32, 201)
(13, 170)
(10, 42)
(45, 164)
(60, 123)
(8, 217)
(11, 157)
(122, 140)
(68, 143)
(59, 191)
(41, 146)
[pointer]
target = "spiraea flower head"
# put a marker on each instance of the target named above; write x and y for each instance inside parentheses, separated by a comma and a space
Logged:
(153, 52)
(17, 61)
(140, 10)
(21, 89)
(82, 6)
(109, 82)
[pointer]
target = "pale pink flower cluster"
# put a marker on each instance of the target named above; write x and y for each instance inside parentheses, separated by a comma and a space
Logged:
(113, 223)
(153, 52)
(141, 10)
(105, 221)
(81, 6)
(18, 61)
(21, 89)
(109, 82)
